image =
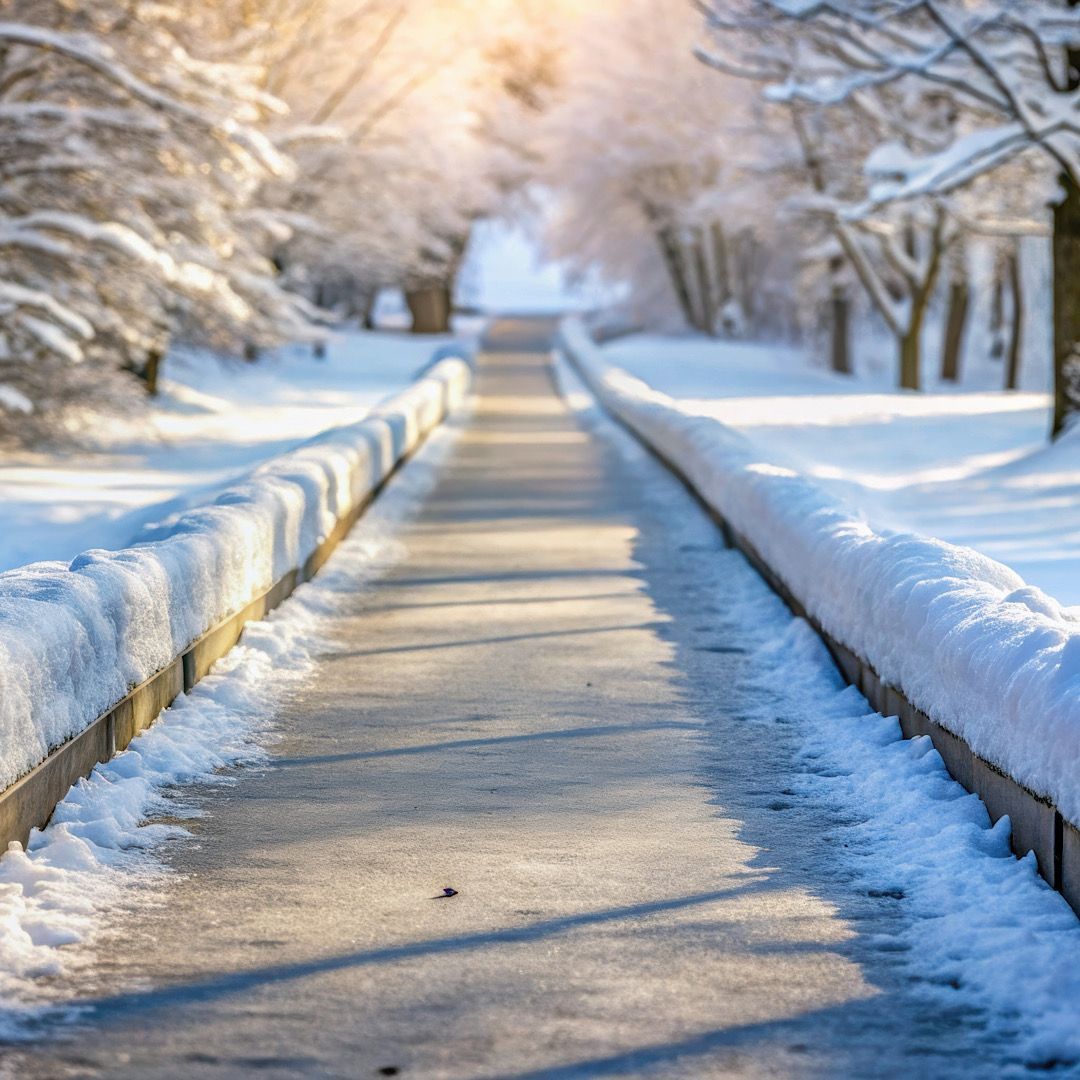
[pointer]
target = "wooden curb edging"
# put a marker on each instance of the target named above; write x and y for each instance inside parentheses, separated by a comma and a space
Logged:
(1037, 825)
(29, 802)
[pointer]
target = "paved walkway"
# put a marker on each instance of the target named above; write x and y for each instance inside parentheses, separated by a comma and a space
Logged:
(515, 715)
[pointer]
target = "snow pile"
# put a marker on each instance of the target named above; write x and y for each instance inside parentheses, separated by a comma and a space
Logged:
(994, 660)
(977, 929)
(99, 852)
(75, 639)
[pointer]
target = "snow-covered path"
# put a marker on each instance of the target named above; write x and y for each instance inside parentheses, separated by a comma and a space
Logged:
(560, 703)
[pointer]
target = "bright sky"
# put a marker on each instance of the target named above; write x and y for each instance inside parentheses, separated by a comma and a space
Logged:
(505, 272)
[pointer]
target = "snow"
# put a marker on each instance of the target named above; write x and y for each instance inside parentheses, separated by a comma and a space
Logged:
(974, 928)
(991, 658)
(972, 468)
(14, 400)
(968, 156)
(212, 423)
(75, 638)
(101, 851)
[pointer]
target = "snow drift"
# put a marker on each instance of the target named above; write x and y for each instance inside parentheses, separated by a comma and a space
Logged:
(75, 639)
(994, 660)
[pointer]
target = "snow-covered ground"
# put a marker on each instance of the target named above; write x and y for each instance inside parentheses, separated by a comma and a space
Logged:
(972, 468)
(76, 637)
(212, 422)
(989, 656)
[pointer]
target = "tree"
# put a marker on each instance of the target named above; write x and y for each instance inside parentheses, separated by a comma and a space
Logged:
(654, 173)
(420, 110)
(128, 170)
(1010, 72)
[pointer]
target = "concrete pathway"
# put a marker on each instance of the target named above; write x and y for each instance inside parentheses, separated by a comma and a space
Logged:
(534, 709)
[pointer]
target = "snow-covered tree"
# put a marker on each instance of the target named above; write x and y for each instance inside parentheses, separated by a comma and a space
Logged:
(426, 105)
(655, 172)
(128, 164)
(1006, 74)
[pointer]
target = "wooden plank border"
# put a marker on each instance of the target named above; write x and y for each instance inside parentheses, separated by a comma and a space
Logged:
(1037, 825)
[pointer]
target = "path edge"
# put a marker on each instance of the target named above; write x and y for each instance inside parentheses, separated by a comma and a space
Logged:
(29, 802)
(1037, 824)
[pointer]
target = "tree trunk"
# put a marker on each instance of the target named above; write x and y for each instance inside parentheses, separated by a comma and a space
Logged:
(365, 308)
(318, 348)
(669, 249)
(695, 287)
(840, 330)
(997, 313)
(909, 360)
(1066, 270)
(429, 306)
(720, 258)
(911, 340)
(151, 372)
(706, 284)
(952, 345)
(840, 321)
(745, 277)
(1016, 331)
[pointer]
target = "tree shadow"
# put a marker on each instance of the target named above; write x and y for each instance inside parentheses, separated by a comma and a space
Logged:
(123, 1005)
(591, 732)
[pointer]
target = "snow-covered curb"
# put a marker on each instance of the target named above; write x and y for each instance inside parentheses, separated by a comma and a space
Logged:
(993, 660)
(967, 928)
(102, 852)
(74, 640)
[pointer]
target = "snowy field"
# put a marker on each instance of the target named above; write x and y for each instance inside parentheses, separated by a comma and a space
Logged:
(212, 422)
(970, 467)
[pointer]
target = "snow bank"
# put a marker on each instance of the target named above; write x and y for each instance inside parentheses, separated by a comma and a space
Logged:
(101, 852)
(995, 661)
(75, 639)
(212, 422)
(966, 928)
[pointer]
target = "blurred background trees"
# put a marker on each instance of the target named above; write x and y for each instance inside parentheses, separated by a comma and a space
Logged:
(239, 174)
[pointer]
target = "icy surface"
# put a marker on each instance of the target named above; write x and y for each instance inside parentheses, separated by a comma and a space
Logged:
(75, 639)
(993, 659)
(101, 851)
(212, 423)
